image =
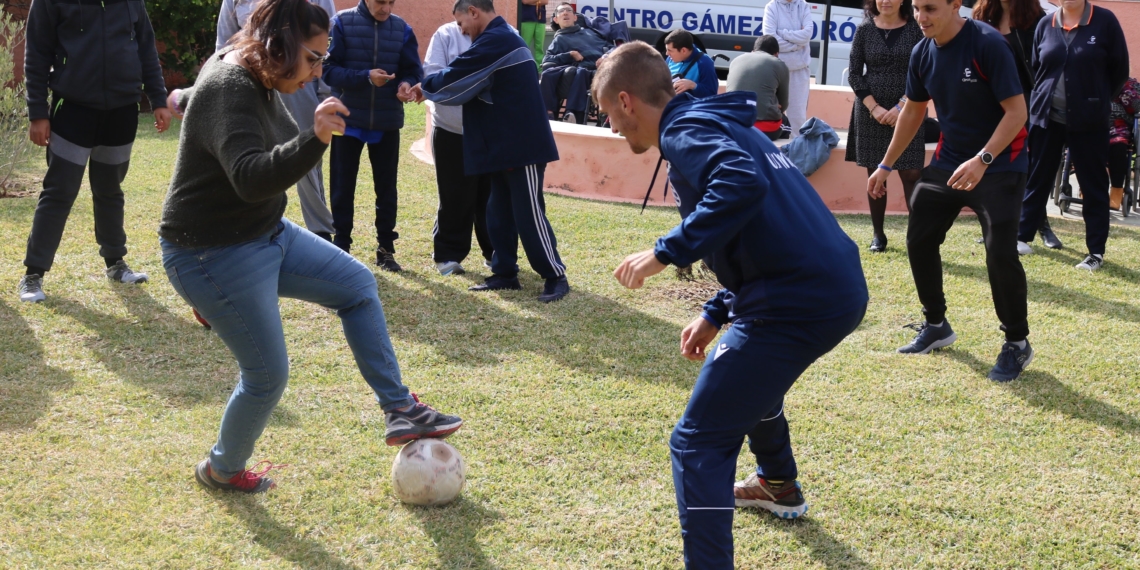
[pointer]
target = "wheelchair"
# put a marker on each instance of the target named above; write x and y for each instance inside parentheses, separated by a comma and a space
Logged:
(1063, 187)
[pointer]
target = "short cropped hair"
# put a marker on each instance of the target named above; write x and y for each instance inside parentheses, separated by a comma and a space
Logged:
(767, 44)
(679, 39)
(636, 68)
(482, 5)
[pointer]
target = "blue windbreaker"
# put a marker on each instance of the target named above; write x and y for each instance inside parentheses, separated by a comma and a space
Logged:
(753, 218)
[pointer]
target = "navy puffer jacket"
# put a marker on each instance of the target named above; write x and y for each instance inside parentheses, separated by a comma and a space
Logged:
(358, 44)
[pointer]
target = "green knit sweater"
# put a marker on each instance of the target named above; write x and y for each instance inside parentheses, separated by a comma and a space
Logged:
(238, 153)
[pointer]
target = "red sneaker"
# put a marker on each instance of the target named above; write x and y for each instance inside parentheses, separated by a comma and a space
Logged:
(247, 481)
(200, 320)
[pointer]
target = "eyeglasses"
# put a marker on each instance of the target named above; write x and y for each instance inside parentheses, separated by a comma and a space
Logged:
(320, 58)
(559, 11)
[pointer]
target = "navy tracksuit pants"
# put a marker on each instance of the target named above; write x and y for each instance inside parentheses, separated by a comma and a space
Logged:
(740, 392)
(1089, 153)
(517, 211)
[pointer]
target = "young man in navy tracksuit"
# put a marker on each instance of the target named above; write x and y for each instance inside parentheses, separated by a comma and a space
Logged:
(507, 136)
(373, 62)
(969, 70)
(793, 289)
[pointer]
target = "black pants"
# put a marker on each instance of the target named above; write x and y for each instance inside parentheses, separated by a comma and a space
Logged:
(997, 202)
(344, 164)
(462, 201)
(80, 135)
(516, 212)
(1089, 153)
(1119, 162)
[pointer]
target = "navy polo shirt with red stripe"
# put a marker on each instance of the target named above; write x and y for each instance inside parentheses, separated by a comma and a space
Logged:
(968, 78)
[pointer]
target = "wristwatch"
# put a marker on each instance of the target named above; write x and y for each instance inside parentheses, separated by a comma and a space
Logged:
(987, 157)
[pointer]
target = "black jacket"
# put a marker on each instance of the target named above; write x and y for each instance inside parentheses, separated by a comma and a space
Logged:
(98, 54)
(1095, 65)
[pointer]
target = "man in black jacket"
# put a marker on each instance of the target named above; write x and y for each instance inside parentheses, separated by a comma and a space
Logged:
(96, 59)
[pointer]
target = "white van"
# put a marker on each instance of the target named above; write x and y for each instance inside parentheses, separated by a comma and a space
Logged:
(730, 27)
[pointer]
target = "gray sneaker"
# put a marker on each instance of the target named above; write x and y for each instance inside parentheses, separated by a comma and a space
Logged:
(418, 421)
(32, 288)
(450, 268)
(120, 273)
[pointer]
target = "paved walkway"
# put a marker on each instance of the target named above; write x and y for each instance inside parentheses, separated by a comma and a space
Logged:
(1133, 219)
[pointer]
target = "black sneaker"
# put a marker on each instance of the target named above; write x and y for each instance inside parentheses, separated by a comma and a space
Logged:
(418, 421)
(31, 288)
(785, 500)
(554, 290)
(879, 244)
(497, 283)
(121, 273)
(1049, 238)
(1011, 362)
(929, 338)
(387, 260)
(247, 481)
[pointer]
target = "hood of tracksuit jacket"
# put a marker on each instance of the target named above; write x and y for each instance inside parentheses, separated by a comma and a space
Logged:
(789, 14)
(789, 259)
(97, 55)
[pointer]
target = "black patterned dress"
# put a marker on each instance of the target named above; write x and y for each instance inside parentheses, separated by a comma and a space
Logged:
(886, 54)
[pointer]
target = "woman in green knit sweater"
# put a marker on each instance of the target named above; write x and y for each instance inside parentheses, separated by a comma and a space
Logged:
(229, 252)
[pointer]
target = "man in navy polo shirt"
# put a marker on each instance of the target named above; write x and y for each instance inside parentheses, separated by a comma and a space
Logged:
(968, 69)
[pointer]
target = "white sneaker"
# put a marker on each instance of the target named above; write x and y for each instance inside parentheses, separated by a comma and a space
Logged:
(1023, 248)
(121, 273)
(570, 118)
(450, 268)
(32, 289)
(1092, 262)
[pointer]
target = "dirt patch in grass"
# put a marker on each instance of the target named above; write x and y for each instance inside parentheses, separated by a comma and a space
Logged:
(20, 185)
(692, 286)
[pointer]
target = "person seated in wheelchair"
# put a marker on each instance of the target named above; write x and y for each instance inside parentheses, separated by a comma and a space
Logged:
(570, 63)
(1120, 139)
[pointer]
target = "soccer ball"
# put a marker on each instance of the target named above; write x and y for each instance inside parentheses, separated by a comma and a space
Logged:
(428, 472)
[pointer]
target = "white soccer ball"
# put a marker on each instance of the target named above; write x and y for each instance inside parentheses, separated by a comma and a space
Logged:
(428, 472)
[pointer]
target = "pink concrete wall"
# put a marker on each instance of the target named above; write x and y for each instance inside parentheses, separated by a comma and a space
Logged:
(426, 16)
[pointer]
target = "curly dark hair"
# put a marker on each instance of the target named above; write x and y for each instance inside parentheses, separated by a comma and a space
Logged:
(270, 41)
(871, 9)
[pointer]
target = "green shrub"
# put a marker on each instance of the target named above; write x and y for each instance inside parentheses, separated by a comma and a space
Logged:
(185, 31)
(13, 107)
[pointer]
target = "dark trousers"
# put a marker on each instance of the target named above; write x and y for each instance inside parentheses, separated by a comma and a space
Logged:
(740, 392)
(344, 164)
(80, 135)
(997, 202)
(1119, 162)
(570, 83)
(1089, 153)
(462, 201)
(517, 211)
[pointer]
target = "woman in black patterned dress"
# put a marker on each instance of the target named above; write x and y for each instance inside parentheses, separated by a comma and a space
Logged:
(883, 43)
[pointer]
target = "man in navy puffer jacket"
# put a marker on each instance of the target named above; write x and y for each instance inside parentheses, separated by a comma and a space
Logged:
(373, 62)
(793, 289)
(506, 136)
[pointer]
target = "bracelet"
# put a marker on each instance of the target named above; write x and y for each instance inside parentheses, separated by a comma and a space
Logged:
(897, 108)
(885, 167)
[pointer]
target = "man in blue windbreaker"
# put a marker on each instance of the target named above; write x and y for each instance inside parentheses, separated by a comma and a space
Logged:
(793, 289)
(506, 136)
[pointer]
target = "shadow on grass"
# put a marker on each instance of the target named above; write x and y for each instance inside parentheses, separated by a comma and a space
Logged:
(155, 349)
(454, 529)
(26, 380)
(1042, 389)
(585, 332)
(825, 549)
(280, 539)
(1067, 258)
(1045, 292)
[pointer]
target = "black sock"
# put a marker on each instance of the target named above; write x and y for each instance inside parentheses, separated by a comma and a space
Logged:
(35, 271)
(111, 261)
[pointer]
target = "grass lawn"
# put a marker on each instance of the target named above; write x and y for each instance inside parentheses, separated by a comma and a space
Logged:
(109, 394)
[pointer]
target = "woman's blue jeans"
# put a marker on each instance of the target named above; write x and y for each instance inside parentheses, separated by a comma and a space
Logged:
(236, 289)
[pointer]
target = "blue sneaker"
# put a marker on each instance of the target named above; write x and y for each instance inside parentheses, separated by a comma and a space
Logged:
(929, 338)
(1011, 362)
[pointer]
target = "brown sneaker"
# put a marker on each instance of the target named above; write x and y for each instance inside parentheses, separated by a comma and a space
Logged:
(785, 501)
(1115, 197)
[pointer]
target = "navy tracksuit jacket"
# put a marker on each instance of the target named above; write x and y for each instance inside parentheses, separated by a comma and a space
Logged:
(794, 288)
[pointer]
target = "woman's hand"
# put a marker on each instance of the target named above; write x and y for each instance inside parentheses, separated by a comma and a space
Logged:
(328, 119)
(890, 117)
(172, 103)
